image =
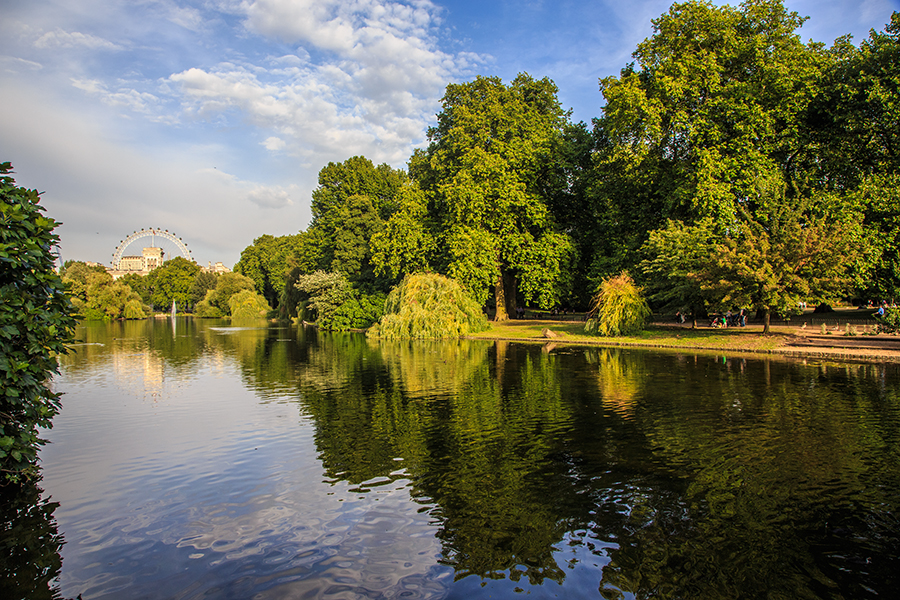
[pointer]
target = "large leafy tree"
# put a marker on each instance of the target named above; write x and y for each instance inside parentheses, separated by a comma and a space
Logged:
(853, 121)
(267, 263)
(353, 200)
(172, 281)
(486, 171)
(767, 266)
(708, 120)
(36, 321)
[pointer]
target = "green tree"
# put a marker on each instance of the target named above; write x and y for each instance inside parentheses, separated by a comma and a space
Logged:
(36, 321)
(619, 308)
(671, 270)
(708, 122)
(406, 244)
(486, 171)
(203, 282)
(853, 121)
(335, 304)
(216, 303)
(429, 306)
(769, 267)
(267, 262)
(172, 281)
(139, 284)
(97, 297)
(76, 273)
(353, 200)
(247, 305)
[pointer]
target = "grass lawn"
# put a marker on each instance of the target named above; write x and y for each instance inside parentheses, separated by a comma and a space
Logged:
(656, 336)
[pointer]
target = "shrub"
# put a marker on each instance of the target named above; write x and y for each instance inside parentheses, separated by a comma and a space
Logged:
(35, 323)
(246, 305)
(890, 321)
(618, 308)
(429, 306)
(217, 302)
(337, 305)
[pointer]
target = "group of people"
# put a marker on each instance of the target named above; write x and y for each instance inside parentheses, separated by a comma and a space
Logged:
(729, 319)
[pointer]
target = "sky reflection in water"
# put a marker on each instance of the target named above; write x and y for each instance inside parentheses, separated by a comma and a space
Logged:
(278, 463)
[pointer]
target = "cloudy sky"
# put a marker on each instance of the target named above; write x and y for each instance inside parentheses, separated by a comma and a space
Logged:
(212, 118)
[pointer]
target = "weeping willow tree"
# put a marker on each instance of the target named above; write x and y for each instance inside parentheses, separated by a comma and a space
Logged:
(248, 305)
(429, 306)
(618, 308)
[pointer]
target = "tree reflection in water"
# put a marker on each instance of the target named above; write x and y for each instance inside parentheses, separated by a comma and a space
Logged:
(691, 476)
(657, 475)
(29, 543)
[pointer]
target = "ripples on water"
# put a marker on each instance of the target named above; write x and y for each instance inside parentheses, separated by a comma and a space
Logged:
(276, 463)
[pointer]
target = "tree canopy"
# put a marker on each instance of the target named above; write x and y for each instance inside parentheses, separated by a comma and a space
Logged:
(485, 171)
(733, 165)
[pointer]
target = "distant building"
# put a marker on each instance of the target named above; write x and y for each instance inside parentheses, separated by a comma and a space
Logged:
(150, 259)
(153, 257)
(131, 263)
(218, 268)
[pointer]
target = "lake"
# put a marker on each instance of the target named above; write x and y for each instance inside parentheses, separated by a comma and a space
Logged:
(197, 459)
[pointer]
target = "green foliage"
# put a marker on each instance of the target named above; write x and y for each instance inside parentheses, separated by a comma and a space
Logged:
(714, 108)
(794, 257)
(853, 121)
(216, 303)
(485, 172)
(247, 305)
(406, 244)
(336, 304)
(35, 323)
(353, 201)
(98, 298)
(205, 309)
(139, 284)
(671, 267)
(203, 282)
(172, 281)
(618, 308)
(267, 262)
(889, 322)
(429, 306)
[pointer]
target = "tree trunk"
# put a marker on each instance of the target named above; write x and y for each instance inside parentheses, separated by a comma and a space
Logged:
(766, 317)
(500, 299)
(510, 285)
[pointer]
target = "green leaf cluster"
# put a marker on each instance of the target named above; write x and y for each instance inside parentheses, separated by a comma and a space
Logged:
(97, 297)
(217, 302)
(429, 306)
(618, 308)
(36, 321)
(335, 305)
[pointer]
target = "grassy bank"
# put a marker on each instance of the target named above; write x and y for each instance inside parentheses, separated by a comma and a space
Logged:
(656, 336)
(786, 340)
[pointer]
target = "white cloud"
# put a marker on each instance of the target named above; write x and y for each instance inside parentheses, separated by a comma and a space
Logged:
(13, 64)
(101, 189)
(274, 144)
(127, 98)
(270, 197)
(59, 38)
(372, 88)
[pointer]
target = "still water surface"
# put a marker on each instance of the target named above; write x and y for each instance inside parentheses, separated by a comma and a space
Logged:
(211, 461)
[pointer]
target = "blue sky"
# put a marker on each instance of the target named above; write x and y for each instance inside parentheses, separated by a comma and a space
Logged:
(212, 118)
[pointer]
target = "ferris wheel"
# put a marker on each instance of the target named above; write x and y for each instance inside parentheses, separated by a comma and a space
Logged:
(150, 233)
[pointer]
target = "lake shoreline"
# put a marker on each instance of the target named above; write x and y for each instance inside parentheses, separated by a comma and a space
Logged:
(783, 340)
